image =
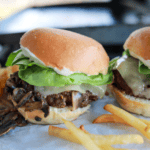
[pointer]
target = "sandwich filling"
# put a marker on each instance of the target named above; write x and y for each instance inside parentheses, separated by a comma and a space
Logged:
(53, 89)
(132, 77)
(31, 72)
(27, 97)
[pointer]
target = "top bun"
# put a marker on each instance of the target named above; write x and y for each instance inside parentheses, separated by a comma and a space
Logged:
(61, 49)
(138, 44)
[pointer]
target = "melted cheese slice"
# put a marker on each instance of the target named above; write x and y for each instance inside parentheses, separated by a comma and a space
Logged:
(48, 90)
(128, 68)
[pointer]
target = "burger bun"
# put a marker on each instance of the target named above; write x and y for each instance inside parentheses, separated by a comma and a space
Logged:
(65, 50)
(130, 103)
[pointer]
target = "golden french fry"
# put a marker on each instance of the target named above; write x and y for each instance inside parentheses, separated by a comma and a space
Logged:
(145, 121)
(127, 117)
(124, 149)
(63, 133)
(117, 139)
(85, 140)
(98, 139)
(109, 118)
(66, 134)
(107, 147)
(147, 129)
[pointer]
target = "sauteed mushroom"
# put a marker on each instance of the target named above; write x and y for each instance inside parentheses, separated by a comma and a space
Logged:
(18, 94)
(9, 116)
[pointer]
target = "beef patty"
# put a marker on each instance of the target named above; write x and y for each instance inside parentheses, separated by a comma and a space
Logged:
(121, 84)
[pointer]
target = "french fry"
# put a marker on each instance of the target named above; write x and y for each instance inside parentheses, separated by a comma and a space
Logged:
(145, 121)
(117, 139)
(98, 139)
(85, 140)
(127, 117)
(107, 147)
(147, 129)
(110, 118)
(63, 133)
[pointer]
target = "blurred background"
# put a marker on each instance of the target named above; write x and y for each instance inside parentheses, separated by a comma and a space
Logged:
(108, 21)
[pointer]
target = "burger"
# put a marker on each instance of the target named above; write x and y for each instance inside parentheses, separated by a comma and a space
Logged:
(131, 85)
(60, 74)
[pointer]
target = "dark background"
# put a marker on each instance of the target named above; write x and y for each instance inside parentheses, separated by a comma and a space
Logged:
(109, 23)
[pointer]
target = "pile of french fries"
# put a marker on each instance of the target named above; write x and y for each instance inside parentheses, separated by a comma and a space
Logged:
(121, 116)
(92, 141)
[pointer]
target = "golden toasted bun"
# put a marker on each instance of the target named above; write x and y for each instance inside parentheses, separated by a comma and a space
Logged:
(138, 43)
(130, 103)
(55, 115)
(65, 49)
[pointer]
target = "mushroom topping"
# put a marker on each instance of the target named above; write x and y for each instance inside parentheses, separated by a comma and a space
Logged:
(9, 116)
(18, 94)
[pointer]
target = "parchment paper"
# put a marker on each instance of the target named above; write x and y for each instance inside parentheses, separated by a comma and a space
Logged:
(35, 137)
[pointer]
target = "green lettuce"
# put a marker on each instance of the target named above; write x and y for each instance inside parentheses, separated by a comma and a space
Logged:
(126, 52)
(12, 57)
(39, 75)
(112, 64)
(143, 69)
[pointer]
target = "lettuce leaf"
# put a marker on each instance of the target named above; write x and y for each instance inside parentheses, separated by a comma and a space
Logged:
(11, 58)
(126, 52)
(38, 75)
(143, 69)
(112, 64)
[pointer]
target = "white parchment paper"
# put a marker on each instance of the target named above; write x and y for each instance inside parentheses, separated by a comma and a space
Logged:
(35, 137)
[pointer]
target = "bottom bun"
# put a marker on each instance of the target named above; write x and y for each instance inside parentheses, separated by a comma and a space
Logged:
(55, 115)
(130, 103)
